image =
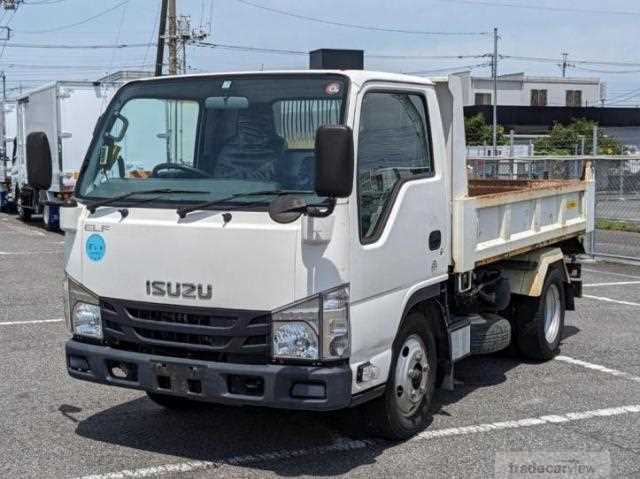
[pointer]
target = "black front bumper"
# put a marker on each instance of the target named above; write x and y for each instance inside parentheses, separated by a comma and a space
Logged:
(280, 386)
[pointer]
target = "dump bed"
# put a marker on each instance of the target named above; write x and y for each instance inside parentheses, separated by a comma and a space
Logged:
(503, 218)
(496, 219)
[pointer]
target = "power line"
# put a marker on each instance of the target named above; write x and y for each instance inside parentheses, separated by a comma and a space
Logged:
(43, 2)
(247, 48)
(544, 7)
(353, 25)
(596, 70)
(78, 47)
(425, 57)
(578, 62)
(40, 66)
(250, 49)
(153, 31)
(448, 69)
(75, 24)
(6, 25)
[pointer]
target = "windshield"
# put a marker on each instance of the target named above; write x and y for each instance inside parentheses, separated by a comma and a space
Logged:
(212, 137)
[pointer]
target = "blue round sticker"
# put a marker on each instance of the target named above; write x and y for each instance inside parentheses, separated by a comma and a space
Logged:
(95, 247)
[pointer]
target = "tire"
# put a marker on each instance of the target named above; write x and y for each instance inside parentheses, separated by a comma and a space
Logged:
(489, 334)
(23, 213)
(46, 212)
(396, 415)
(540, 321)
(174, 403)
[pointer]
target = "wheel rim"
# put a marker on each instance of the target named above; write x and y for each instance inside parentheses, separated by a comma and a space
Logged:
(552, 312)
(411, 374)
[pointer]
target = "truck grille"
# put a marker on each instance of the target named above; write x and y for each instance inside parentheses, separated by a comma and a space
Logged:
(222, 335)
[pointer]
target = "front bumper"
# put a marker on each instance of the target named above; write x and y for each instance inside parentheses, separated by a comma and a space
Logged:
(279, 386)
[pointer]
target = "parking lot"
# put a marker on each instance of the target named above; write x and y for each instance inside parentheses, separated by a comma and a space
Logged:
(588, 399)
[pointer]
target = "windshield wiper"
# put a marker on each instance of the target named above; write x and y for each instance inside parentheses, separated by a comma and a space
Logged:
(185, 210)
(107, 201)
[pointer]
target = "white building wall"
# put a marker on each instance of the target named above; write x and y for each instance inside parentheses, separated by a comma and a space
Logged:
(557, 93)
(516, 90)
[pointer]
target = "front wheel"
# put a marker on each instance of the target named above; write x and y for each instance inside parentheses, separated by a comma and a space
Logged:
(540, 321)
(403, 410)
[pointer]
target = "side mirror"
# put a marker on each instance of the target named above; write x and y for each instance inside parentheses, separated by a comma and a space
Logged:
(334, 161)
(118, 125)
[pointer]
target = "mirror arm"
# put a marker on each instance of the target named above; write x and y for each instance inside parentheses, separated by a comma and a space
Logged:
(321, 212)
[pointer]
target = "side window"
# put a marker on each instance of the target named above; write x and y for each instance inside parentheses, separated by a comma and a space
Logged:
(393, 146)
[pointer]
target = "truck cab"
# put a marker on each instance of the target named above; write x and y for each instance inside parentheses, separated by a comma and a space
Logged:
(294, 240)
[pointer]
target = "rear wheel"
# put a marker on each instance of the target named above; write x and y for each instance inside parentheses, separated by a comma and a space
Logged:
(540, 321)
(172, 402)
(403, 410)
(23, 213)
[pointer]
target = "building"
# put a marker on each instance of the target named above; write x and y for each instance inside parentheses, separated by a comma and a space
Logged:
(125, 76)
(518, 89)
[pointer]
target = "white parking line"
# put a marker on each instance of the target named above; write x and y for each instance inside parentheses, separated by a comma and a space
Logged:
(30, 253)
(21, 229)
(35, 321)
(598, 367)
(533, 421)
(342, 444)
(620, 283)
(609, 300)
(622, 275)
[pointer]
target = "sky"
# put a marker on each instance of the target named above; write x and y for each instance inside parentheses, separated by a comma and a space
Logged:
(590, 30)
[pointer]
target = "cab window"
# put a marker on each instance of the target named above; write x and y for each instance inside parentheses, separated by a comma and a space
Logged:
(393, 147)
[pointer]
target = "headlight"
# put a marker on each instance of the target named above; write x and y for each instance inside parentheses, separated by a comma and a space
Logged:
(313, 329)
(86, 320)
(82, 310)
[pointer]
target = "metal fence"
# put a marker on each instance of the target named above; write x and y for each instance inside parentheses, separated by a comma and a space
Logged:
(617, 233)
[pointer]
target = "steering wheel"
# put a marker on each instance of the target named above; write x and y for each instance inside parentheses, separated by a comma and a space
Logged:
(177, 166)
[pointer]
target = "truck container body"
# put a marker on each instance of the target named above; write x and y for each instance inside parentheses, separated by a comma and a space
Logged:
(307, 240)
(8, 126)
(55, 125)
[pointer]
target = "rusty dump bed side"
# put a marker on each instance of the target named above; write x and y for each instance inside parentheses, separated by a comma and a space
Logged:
(499, 219)
(480, 187)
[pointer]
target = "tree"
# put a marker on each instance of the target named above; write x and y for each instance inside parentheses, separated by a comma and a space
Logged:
(567, 140)
(478, 132)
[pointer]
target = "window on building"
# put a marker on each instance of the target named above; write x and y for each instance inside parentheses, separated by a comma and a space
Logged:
(574, 98)
(393, 146)
(538, 97)
(483, 98)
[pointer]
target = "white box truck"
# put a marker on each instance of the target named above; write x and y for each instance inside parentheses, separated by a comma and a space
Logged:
(55, 124)
(307, 240)
(8, 125)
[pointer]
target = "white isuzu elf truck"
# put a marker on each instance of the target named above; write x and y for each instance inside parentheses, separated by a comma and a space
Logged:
(7, 153)
(307, 240)
(55, 124)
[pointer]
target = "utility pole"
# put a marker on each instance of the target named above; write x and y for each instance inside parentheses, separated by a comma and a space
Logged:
(172, 37)
(494, 71)
(4, 86)
(161, 31)
(565, 56)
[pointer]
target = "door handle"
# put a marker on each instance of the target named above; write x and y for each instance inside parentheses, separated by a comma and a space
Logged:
(435, 240)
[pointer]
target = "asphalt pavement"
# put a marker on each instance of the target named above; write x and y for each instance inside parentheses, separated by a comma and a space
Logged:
(585, 403)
